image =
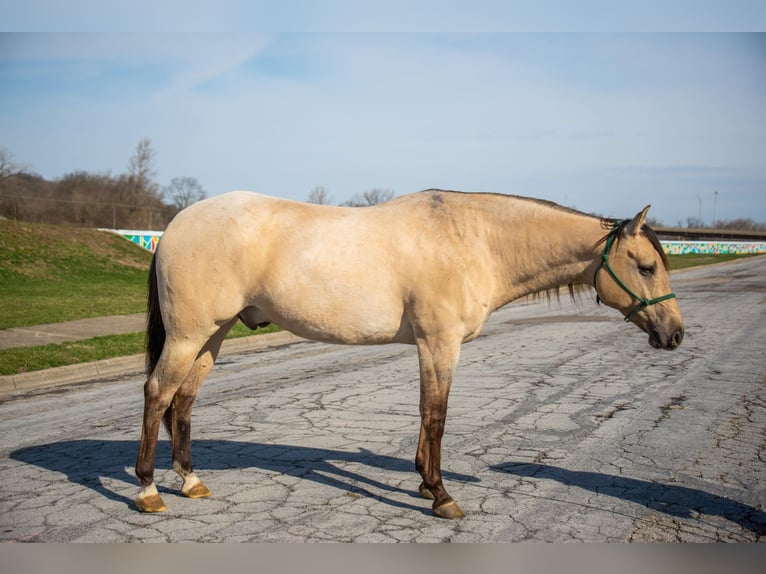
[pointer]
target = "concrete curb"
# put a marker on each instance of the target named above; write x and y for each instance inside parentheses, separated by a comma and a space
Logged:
(117, 366)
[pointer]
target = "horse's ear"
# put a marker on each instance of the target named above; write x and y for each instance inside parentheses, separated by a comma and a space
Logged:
(634, 227)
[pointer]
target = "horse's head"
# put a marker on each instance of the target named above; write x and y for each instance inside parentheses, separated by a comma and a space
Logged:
(632, 276)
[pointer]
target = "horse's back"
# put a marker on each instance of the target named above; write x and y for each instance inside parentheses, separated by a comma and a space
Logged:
(256, 222)
(331, 273)
(319, 271)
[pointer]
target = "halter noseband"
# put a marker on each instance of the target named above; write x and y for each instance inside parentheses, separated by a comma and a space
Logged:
(642, 302)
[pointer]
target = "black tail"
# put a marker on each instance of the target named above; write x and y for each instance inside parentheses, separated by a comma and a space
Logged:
(155, 328)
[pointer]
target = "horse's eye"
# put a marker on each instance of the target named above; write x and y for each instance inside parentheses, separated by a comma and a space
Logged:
(647, 270)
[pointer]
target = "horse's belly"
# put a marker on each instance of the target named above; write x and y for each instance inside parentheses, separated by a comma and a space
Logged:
(347, 334)
(352, 325)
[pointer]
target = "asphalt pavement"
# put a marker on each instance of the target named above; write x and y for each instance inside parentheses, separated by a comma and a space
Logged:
(564, 425)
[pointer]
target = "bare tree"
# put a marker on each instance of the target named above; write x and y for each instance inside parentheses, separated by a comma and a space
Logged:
(183, 191)
(86, 199)
(141, 168)
(694, 223)
(140, 188)
(370, 197)
(320, 196)
(8, 166)
(741, 224)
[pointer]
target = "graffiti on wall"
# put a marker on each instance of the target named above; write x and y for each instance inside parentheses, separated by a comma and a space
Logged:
(146, 239)
(149, 240)
(712, 247)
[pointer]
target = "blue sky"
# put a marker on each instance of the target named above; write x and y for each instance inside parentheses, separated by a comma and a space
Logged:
(606, 122)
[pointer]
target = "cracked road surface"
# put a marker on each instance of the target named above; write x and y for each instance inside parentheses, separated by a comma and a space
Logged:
(564, 425)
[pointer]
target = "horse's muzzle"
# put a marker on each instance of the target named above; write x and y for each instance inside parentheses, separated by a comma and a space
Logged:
(667, 342)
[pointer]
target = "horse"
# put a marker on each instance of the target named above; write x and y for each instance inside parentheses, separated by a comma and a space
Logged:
(425, 269)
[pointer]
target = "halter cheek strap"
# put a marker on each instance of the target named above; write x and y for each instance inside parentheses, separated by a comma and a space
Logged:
(642, 302)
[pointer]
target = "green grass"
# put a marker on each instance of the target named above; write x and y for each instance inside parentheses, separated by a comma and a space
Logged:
(25, 359)
(51, 273)
(695, 260)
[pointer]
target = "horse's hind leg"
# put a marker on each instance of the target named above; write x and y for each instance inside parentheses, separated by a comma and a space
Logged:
(178, 417)
(180, 431)
(172, 369)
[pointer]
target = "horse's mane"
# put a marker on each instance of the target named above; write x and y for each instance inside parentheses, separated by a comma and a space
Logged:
(607, 223)
(545, 202)
(650, 234)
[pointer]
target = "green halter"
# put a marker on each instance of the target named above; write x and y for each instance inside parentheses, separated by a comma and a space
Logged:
(642, 303)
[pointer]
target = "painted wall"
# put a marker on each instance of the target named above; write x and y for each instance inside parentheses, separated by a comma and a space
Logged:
(146, 239)
(149, 240)
(712, 247)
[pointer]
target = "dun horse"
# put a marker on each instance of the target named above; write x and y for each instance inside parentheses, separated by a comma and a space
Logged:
(425, 269)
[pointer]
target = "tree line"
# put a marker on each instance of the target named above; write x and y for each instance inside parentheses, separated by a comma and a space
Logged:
(322, 196)
(374, 196)
(737, 224)
(132, 200)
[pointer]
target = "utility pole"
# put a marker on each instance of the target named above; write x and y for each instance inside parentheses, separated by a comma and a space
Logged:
(715, 209)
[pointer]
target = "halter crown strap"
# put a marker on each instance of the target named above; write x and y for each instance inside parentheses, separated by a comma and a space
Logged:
(643, 303)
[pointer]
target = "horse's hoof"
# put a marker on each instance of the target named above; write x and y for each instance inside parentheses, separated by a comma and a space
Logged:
(151, 503)
(199, 490)
(449, 510)
(425, 493)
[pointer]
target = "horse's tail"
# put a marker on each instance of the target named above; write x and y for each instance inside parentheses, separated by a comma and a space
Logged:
(155, 328)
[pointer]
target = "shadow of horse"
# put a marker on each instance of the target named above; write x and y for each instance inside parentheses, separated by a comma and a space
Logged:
(671, 499)
(89, 462)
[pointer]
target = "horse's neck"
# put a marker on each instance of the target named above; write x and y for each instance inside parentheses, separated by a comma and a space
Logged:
(543, 248)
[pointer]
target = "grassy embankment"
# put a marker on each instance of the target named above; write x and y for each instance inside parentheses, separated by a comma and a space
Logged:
(50, 274)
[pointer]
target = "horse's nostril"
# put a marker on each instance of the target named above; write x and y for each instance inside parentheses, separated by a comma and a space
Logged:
(676, 339)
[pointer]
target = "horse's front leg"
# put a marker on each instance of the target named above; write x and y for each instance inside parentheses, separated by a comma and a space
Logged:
(437, 364)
